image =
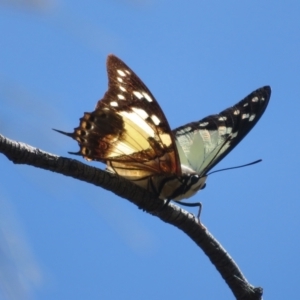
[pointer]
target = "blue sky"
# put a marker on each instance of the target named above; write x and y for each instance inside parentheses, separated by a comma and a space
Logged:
(65, 239)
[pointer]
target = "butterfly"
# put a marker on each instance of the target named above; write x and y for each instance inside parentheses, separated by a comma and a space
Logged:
(129, 132)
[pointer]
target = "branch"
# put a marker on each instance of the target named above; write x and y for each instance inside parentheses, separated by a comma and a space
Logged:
(20, 153)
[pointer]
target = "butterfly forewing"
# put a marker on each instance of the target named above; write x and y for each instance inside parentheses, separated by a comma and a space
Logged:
(201, 145)
(128, 129)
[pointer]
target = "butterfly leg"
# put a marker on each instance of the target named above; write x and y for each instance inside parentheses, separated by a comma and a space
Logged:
(166, 203)
(199, 204)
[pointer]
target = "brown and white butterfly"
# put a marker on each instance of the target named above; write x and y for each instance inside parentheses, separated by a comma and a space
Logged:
(129, 132)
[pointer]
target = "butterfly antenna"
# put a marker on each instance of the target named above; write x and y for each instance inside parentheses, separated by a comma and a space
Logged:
(65, 133)
(237, 167)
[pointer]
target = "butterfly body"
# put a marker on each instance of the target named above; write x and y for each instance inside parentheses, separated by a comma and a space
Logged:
(130, 133)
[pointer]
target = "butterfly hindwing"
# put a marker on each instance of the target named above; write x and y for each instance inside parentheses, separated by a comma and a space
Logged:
(201, 145)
